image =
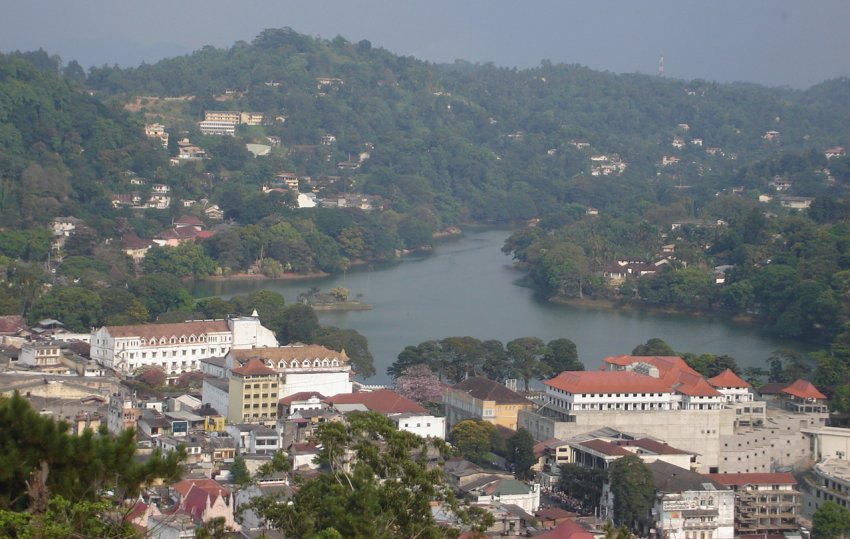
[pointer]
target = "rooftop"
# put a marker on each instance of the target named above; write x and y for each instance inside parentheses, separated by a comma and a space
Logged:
(487, 390)
(744, 479)
(382, 400)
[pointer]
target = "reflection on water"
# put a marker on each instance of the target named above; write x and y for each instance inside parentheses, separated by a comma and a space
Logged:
(466, 286)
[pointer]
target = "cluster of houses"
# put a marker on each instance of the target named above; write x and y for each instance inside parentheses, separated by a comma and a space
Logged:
(726, 460)
(720, 453)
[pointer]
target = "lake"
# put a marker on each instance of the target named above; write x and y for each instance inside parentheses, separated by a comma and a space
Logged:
(467, 286)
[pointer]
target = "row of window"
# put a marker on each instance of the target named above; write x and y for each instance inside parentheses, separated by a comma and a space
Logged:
(306, 363)
(195, 351)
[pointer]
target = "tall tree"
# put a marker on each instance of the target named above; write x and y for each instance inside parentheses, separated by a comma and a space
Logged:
(521, 451)
(526, 354)
(38, 457)
(562, 355)
(633, 490)
(387, 492)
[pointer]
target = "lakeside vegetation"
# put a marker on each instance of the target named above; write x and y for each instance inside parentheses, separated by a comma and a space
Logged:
(608, 168)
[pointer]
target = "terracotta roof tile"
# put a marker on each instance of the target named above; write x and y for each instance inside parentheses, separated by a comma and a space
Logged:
(728, 378)
(803, 389)
(299, 352)
(584, 382)
(606, 448)
(254, 367)
(568, 529)
(653, 446)
(12, 323)
(743, 479)
(301, 396)
(382, 400)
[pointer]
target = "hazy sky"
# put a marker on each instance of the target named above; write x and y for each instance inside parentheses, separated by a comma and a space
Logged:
(794, 43)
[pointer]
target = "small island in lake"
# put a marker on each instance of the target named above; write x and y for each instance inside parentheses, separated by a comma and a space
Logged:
(337, 299)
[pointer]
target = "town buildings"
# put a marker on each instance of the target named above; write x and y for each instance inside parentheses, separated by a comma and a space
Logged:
(175, 348)
(717, 420)
(765, 503)
(481, 398)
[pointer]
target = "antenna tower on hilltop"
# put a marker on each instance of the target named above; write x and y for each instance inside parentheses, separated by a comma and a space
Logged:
(661, 66)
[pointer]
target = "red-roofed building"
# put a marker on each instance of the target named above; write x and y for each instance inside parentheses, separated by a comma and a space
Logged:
(12, 324)
(203, 500)
(568, 529)
(406, 414)
(765, 503)
(602, 452)
(189, 220)
(803, 390)
(659, 396)
(382, 401)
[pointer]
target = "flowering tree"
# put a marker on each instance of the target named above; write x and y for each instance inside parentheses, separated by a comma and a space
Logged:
(153, 377)
(419, 383)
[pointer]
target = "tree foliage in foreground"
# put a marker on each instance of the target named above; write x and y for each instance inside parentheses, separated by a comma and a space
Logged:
(385, 492)
(830, 521)
(51, 478)
(633, 490)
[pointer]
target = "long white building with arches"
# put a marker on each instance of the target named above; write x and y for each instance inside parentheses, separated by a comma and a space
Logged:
(176, 348)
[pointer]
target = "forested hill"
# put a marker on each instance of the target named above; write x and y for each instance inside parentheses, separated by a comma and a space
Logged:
(485, 142)
(57, 146)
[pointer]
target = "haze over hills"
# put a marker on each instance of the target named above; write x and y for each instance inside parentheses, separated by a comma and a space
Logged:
(429, 147)
(777, 43)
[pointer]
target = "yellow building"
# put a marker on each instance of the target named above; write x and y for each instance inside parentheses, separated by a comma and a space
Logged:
(253, 393)
(482, 398)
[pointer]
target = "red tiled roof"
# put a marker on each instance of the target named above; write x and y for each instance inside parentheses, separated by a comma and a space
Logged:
(301, 396)
(606, 448)
(189, 220)
(12, 323)
(803, 389)
(553, 513)
(210, 486)
(654, 446)
(181, 233)
(383, 401)
(695, 386)
(728, 378)
(254, 367)
(743, 479)
(583, 382)
(567, 529)
(299, 352)
(131, 241)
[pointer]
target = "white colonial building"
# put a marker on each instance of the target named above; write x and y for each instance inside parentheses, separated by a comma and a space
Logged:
(175, 348)
(301, 367)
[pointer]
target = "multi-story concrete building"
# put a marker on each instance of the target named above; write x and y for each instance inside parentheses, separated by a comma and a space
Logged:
(253, 391)
(480, 398)
(689, 505)
(659, 397)
(828, 480)
(217, 128)
(765, 503)
(785, 437)
(662, 397)
(175, 348)
(300, 367)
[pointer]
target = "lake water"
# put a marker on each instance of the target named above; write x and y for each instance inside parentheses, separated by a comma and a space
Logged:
(467, 286)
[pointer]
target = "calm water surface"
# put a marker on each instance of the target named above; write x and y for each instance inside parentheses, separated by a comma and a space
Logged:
(466, 286)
